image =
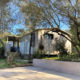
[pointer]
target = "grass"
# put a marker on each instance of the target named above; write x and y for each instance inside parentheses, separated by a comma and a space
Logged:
(20, 62)
(51, 58)
(63, 59)
(17, 63)
(2, 60)
(3, 63)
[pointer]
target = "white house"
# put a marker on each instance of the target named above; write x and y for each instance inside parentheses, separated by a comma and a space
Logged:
(48, 41)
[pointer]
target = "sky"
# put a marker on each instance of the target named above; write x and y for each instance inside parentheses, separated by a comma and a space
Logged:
(64, 26)
(20, 21)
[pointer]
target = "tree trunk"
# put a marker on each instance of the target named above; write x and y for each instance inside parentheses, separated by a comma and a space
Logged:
(78, 50)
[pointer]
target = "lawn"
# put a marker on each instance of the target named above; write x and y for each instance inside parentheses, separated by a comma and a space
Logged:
(72, 59)
(51, 58)
(17, 63)
(3, 63)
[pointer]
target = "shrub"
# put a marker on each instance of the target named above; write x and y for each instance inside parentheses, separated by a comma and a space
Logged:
(38, 54)
(70, 57)
(2, 54)
(60, 47)
(41, 47)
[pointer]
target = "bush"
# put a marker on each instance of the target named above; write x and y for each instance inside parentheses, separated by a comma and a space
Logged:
(2, 54)
(38, 54)
(60, 47)
(70, 57)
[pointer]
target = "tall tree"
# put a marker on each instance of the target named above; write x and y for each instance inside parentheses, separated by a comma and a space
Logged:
(70, 10)
(3, 27)
(5, 20)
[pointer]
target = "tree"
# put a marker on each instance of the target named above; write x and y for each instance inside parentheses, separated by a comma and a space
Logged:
(3, 26)
(5, 20)
(32, 20)
(71, 11)
(54, 14)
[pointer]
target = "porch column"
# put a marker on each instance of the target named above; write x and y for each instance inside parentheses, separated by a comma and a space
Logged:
(13, 43)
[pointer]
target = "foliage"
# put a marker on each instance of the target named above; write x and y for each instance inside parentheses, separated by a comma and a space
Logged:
(5, 17)
(73, 31)
(54, 14)
(17, 62)
(2, 54)
(3, 2)
(70, 57)
(60, 47)
(38, 54)
(33, 14)
(5, 20)
(51, 58)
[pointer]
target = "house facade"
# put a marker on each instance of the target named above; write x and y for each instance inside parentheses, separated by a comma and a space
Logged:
(42, 40)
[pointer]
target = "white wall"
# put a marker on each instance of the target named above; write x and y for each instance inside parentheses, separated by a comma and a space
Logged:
(49, 45)
(24, 47)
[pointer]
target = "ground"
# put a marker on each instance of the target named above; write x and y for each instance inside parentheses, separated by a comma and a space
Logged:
(34, 73)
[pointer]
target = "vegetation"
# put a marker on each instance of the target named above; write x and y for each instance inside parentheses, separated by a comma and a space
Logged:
(60, 47)
(38, 54)
(63, 54)
(18, 62)
(5, 21)
(51, 58)
(2, 55)
(70, 57)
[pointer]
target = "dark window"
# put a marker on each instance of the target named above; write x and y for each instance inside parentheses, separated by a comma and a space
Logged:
(50, 36)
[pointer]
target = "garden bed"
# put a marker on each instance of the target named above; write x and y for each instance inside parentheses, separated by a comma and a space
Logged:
(59, 66)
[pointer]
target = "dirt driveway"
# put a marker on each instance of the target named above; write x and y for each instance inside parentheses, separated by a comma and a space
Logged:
(34, 73)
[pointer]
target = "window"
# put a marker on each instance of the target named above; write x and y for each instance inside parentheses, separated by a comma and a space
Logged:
(49, 36)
